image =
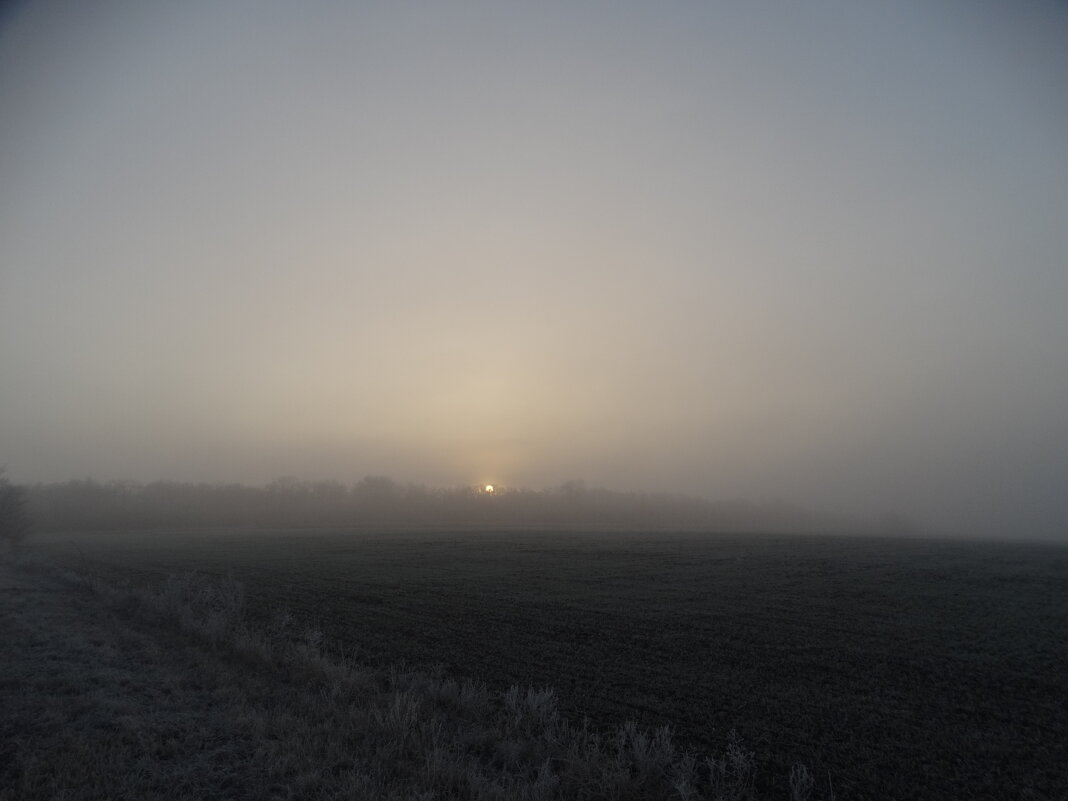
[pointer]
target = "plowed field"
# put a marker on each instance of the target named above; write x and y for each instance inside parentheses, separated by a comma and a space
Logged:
(903, 669)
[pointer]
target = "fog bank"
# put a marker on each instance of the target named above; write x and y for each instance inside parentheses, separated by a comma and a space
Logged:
(811, 251)
(379, 503)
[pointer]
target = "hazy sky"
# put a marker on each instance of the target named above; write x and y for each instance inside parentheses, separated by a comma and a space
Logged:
(815, 251)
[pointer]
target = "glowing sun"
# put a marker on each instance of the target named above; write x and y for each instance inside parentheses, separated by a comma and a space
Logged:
(488, 488)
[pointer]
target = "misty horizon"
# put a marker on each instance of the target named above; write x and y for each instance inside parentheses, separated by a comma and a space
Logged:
(378, 502)
(810, 253)
(886, 520)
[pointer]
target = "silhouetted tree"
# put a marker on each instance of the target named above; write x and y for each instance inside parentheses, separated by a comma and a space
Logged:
(14, 520)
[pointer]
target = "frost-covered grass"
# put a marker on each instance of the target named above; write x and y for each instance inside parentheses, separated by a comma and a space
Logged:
(898, 669)
(169, 691)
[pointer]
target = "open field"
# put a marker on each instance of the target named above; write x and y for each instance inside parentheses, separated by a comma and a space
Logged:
(169, 692)
(904, 669)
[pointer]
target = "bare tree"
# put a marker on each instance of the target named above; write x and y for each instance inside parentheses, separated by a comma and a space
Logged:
(14, 519)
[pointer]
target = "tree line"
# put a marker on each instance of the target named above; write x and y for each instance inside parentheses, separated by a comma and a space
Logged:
(14, 516)
(378, 501)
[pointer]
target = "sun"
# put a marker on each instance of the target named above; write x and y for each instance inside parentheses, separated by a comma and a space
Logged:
(488, 488)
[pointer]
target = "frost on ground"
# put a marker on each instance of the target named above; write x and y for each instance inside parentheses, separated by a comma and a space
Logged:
(167, 693)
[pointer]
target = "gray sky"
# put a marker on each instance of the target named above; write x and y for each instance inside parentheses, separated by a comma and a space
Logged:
(812, 251)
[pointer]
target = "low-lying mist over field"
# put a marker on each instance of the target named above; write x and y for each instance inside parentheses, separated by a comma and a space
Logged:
(378, 502)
